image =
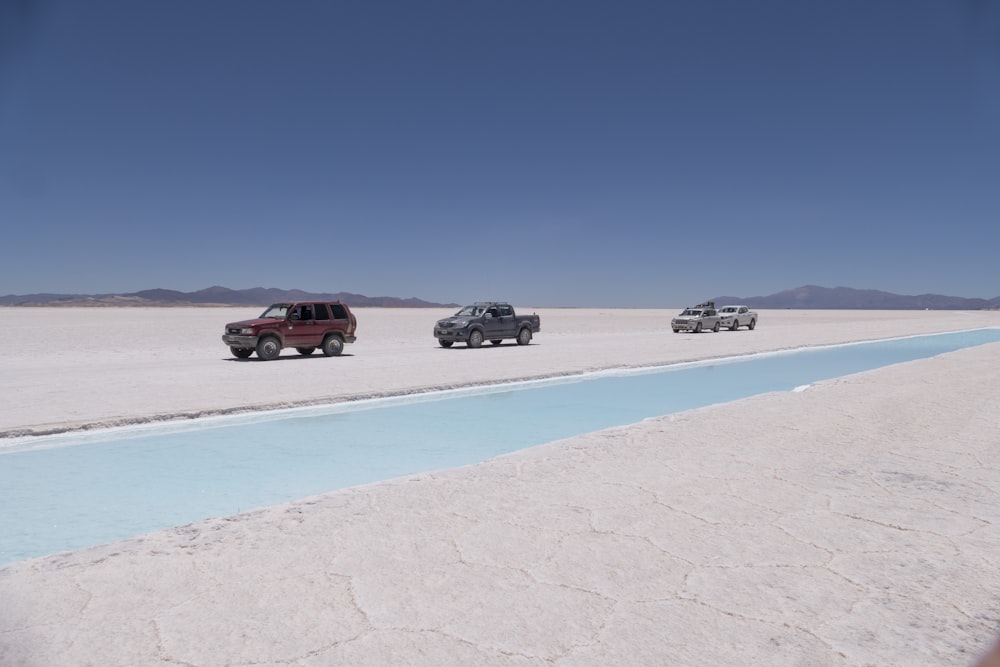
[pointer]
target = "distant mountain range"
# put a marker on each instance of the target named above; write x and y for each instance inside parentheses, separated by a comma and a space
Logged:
(809, 297)
(213, 296)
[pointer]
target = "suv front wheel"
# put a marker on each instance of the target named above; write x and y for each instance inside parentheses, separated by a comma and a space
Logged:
(268, 348)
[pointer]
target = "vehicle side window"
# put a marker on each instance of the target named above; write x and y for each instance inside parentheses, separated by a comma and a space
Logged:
(305, 312)
(492, 312)
(506, 311)
(339, 312)
(321, 312)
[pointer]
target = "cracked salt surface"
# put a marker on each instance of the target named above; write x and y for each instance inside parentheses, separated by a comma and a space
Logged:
(853, 524)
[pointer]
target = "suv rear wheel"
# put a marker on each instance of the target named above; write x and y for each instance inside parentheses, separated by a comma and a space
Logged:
(333, 346)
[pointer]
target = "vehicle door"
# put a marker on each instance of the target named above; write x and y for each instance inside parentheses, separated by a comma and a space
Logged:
(301, 327)
(508, 323)
(323, 323)
(492, 323)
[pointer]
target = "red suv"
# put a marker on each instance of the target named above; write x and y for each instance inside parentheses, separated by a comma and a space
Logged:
(304, 326)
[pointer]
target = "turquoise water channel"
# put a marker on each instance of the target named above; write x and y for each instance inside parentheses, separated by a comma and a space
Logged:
(70, 491)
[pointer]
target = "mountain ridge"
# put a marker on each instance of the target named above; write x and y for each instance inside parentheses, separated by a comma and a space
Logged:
(214, 296)
(814, 297)
(807, 297)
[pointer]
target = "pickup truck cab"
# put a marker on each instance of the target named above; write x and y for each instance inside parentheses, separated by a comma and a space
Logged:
(734, 317)
(486, 320)
(697, 319)
(302, 325)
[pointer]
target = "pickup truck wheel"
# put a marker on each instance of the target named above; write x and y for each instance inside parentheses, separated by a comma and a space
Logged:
(735, 325)
(524, 336)
(241, 352)
(305, 351)
(268, 348)
(333, 346)
(752, 325)
(445, 343)
(496, 342)
(697, 328)
(716, 327)
(475, 339)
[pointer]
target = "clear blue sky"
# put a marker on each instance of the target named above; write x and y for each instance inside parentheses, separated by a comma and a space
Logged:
(549, 152)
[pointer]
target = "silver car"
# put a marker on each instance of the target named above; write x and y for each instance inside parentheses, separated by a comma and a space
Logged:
(696, 320)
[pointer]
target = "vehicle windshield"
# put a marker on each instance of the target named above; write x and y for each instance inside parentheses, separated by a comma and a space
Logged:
(692, 312)
(277, 311)
(470, 311)
(729, 309)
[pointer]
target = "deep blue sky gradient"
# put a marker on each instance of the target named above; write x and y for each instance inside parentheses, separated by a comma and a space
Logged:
(569, 153)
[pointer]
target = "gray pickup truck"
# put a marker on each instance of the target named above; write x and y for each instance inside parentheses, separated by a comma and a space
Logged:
(486, 320)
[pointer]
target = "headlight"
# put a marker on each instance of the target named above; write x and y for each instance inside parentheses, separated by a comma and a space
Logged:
(246, 331)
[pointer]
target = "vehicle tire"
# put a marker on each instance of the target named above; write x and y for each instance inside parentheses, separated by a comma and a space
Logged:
(475, 339)
(268, 348)
(715, 329)
(697, 328)
(752, 325)
(333, 345)
(496, 342)
(445, 343)
(305, 351)
(677, 330)
(524, 336)
(735, 325)
(241, 352)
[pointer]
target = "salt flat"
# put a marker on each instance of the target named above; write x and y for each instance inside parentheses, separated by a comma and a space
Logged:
(854, 523)
(66, 368)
